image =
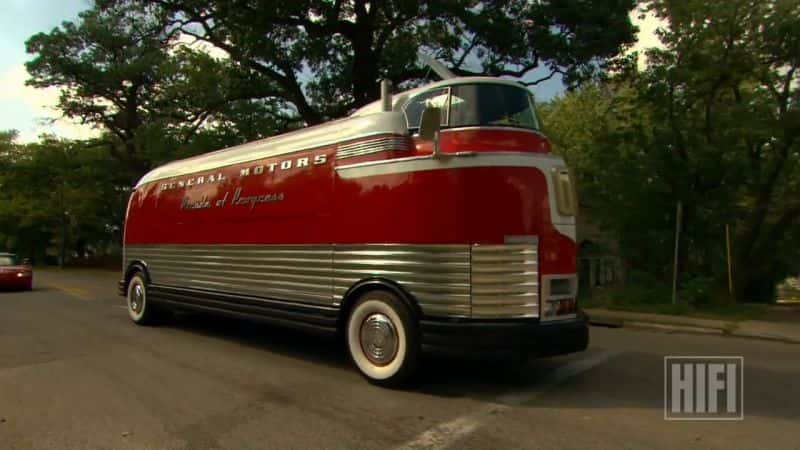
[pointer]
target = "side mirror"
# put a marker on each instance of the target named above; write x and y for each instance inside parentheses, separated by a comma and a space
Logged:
(430, 123)
(429, 126)
(26, 262)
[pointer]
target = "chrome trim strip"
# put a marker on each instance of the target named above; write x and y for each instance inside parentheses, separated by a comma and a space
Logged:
(437, 276)
(505, 281)
(376, 145)
(295, 273)
(492, 127)
(478, 281)
(268, 302)
(448, 161)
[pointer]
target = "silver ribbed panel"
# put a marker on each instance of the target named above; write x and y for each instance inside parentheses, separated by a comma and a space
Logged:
(505, 281)
(298, 273)
(436, 275)
(501, 281)
(373, 145)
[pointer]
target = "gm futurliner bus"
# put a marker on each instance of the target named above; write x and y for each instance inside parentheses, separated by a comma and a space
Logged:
(433, 219)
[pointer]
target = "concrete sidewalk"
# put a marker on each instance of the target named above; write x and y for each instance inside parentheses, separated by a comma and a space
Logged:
(758, 329)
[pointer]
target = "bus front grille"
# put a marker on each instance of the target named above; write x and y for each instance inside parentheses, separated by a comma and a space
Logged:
(505, 281)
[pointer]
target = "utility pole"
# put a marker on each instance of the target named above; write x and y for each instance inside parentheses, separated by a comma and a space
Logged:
(678, 214)
(730, 263)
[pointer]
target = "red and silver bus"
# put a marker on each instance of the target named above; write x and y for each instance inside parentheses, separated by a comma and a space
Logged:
(433, 219)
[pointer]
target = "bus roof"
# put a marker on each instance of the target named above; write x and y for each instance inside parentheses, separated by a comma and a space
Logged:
(363, 122)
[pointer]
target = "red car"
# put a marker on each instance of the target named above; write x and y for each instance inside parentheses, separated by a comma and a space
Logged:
(13, 274)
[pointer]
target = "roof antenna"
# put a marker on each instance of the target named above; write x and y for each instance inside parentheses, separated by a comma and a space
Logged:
(440, 69)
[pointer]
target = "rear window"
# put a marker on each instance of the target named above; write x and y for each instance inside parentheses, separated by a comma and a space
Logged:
(491, 105)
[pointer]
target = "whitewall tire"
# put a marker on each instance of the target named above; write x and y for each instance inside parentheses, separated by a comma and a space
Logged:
(383, 338)
(139, 309)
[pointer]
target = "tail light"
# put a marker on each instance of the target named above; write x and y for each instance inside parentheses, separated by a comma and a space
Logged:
(559, 296)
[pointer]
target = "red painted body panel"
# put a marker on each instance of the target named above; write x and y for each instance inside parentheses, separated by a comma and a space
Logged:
(492, 140)
(459, 206)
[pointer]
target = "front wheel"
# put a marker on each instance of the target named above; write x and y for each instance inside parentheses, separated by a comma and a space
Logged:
(140, 310)
(383, 338)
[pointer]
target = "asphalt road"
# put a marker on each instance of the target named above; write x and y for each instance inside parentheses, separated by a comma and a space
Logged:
(76, 373)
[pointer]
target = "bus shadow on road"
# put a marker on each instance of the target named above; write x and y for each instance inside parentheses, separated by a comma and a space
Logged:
(440, 375)
(631, 379)
(262, 336)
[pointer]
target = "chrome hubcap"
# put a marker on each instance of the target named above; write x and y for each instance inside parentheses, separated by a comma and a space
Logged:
(378, 339)
(137, 298)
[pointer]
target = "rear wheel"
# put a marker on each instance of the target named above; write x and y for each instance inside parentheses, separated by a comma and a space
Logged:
(140, 310)
(383, 338)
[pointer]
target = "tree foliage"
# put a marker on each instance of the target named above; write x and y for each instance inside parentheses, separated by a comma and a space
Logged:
(59, 198)
(124, 70)
(713, 123)
(326, 58)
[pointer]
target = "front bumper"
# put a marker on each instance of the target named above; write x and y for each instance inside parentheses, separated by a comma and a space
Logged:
(529, 337)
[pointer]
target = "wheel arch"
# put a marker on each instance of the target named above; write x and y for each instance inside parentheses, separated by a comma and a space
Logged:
(133, 267)
(375, 284)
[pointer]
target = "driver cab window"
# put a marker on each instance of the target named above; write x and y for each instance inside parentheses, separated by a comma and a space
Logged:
(436, 98)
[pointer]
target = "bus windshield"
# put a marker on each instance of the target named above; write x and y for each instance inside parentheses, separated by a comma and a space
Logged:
(491, 105)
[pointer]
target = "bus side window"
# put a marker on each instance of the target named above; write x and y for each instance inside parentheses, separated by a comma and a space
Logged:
(413, 109)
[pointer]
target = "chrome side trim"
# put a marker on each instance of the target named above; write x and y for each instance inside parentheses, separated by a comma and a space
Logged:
(505, 281)
(461, 160)
(437, 276)
(479, 281)
(373, 145)
(493, 127)
(295, 273)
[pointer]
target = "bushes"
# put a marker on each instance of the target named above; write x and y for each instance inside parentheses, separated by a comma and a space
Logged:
(697, 291)
(699, 296)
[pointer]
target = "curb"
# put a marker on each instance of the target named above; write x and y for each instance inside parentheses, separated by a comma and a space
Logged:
(668, 326)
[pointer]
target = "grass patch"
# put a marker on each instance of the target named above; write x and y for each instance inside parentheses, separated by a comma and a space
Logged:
(657, 300)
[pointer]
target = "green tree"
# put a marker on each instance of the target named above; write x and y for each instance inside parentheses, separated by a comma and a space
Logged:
(122, 69)
(59, 198)
(326, 58)
(727, 83)
(712, 123)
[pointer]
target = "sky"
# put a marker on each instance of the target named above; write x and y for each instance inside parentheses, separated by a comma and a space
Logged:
(32, 111)
(22, 107)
